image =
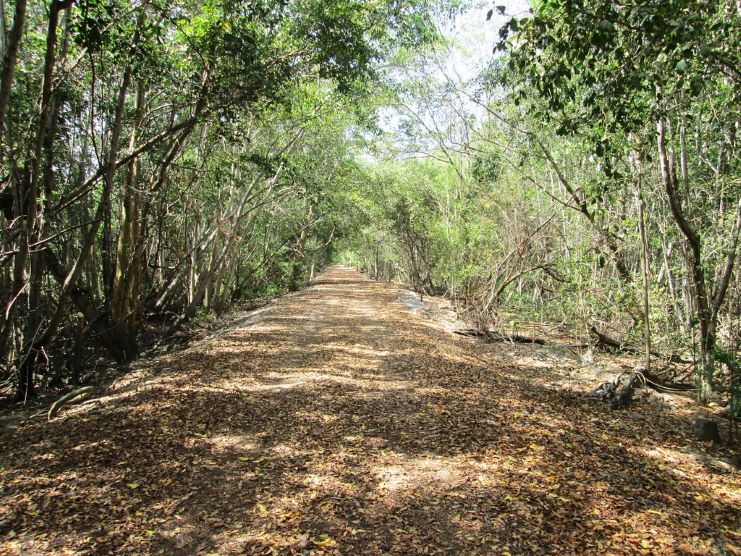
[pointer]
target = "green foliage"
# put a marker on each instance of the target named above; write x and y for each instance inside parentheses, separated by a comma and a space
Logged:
(251, 153)
(533, 212)
(601, 66)
(175, 156)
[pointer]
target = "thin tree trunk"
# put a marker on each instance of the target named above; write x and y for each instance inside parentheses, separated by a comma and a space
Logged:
(69, 278)
(125, 309)
(644, 264)
(34, 211)
(694, 244)
(10, 60)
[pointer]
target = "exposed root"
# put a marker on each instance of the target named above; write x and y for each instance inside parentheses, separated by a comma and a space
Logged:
(79, 394)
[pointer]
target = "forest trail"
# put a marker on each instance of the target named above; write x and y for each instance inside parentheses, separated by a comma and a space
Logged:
(336, 420)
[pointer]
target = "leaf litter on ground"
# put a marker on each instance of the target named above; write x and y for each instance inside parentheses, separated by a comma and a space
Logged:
(342, 422)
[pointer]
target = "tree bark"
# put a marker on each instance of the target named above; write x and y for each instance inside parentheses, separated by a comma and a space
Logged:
(30, 267)
(10, 61)
(125, 309)
(694, 244)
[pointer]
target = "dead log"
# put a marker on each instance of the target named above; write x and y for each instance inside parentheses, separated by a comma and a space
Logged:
(500, 337)
(618, 391)
(608, 343)
(79, 394)
(657, 383)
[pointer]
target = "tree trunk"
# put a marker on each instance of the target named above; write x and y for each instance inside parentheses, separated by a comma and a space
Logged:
(125, 309)
(694, 244)
(33, 270)
(297, 268)
(10, 60)
(68, 278)
(638, 166)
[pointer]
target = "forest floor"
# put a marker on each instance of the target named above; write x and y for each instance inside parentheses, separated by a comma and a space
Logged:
(342, 420)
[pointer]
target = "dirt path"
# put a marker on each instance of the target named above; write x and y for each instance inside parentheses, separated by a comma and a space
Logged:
(338, 421)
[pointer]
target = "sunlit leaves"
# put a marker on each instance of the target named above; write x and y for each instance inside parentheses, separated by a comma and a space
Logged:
(615, 56)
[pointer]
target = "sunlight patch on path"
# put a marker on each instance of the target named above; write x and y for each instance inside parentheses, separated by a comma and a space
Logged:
(339, 421)
(416, 473)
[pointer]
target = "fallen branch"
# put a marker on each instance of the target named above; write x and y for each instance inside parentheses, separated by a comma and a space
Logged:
(605, 341)
(608, 343)
(499, 337)
(617, 392)
(79, 394)
(657, 383)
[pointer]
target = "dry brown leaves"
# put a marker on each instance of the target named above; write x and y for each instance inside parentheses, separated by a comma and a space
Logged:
(339, 422)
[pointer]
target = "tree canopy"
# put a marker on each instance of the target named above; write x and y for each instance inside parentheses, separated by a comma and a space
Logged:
(164, 160)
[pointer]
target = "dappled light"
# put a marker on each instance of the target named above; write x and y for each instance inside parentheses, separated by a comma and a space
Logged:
(379, 277)
(339, 420)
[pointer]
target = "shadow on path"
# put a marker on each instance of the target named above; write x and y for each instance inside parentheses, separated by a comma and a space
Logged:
(340, 422)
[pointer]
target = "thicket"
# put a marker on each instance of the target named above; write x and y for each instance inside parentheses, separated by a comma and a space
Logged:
(165, 158)
(589, 177)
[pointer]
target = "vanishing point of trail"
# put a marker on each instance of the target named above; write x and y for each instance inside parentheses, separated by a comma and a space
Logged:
(337, 420)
